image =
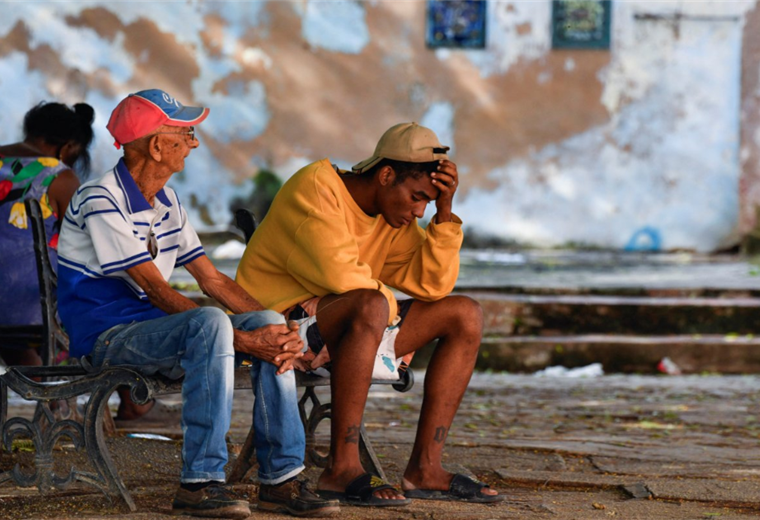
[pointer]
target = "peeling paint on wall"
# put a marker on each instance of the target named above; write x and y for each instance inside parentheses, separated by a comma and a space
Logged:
(657, 162)
(241, 111)
(749, 186)
(335, 26)
(440, 118)
(517, 31)
(555, 146)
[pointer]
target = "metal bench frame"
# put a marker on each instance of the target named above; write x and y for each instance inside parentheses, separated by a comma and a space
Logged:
(45, 430)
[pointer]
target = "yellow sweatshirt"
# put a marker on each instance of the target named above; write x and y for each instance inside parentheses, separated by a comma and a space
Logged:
(316, 240)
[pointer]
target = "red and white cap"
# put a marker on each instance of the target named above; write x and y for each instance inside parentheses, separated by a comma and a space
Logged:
(143, 112)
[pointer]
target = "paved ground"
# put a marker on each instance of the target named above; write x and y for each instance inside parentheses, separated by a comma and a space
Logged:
(686, 446)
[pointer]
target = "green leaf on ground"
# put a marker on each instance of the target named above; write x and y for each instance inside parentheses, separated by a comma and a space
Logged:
(23, 445)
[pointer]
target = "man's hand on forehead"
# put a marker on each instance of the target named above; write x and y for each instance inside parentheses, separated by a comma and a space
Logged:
(446, 176)
(446, 179)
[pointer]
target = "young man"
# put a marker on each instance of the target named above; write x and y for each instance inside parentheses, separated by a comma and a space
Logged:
(122, 236)
(332, 244)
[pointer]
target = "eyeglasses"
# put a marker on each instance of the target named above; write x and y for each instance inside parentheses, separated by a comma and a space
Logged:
(189, 136)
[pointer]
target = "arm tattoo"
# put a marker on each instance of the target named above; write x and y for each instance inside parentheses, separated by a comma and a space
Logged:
(353, 435)
(440, 434)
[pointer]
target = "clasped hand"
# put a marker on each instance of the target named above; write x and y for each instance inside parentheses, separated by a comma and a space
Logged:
(276, 344)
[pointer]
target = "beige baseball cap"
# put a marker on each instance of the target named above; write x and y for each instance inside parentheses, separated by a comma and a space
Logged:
(408, 142)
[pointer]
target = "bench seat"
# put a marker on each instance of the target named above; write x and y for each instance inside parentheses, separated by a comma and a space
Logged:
(70, 381)
(66, 382)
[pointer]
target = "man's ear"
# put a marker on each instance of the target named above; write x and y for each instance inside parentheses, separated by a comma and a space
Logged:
(155, 148)
(386, 176)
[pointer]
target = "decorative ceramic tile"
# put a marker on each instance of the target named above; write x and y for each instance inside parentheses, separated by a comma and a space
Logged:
(456, 23)
(581, 24)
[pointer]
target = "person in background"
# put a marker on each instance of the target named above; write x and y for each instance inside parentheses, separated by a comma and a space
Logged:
(47, 165)
(42, 167)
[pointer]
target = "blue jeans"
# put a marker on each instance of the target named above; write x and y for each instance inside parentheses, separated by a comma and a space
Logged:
(198, 344)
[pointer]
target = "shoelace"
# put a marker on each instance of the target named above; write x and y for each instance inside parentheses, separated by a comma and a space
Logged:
(303, 488)
(215, 491)
(299, 487)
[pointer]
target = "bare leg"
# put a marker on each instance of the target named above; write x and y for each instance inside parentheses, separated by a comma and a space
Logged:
(457, 322)
(28, 357)
(352, 325)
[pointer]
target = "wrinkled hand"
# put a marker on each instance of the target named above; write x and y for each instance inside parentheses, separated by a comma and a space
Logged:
(277, 344)
(303, 364)
(311, 361)
(446, 179)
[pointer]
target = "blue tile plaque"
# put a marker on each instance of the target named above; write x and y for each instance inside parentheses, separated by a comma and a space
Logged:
(581, 24)
(456, 23)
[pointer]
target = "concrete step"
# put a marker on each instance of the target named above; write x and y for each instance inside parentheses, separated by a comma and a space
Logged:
(693, 354)
(571, 314)
(659, 314)
(627, 334)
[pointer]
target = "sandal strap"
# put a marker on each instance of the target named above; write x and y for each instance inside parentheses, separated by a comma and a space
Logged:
(466, 487)
(364, 486)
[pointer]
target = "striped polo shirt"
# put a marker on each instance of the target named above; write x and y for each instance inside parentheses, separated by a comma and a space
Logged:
(108, 228)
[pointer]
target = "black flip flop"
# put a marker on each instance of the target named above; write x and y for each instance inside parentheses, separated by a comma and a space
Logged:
(461, 489)
(360, 492)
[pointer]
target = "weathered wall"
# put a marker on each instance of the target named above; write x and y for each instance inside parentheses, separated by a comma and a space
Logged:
(749, 187)
(634, 146)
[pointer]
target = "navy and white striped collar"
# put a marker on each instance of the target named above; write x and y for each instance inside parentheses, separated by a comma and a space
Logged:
(136, 201)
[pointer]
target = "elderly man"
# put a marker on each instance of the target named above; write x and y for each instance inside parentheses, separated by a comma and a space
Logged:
(122, 236)
(331, 245)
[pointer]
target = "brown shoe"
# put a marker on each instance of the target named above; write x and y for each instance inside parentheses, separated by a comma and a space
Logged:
(294, 497)
(214, 501)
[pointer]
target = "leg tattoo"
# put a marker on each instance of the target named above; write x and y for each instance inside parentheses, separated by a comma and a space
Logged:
(353, 435)
(440, 434)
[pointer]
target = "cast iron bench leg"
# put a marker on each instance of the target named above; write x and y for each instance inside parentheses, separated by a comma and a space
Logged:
(245, 460)
(45, 431)
(368, 456)
(319, 412)
(97, 449)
